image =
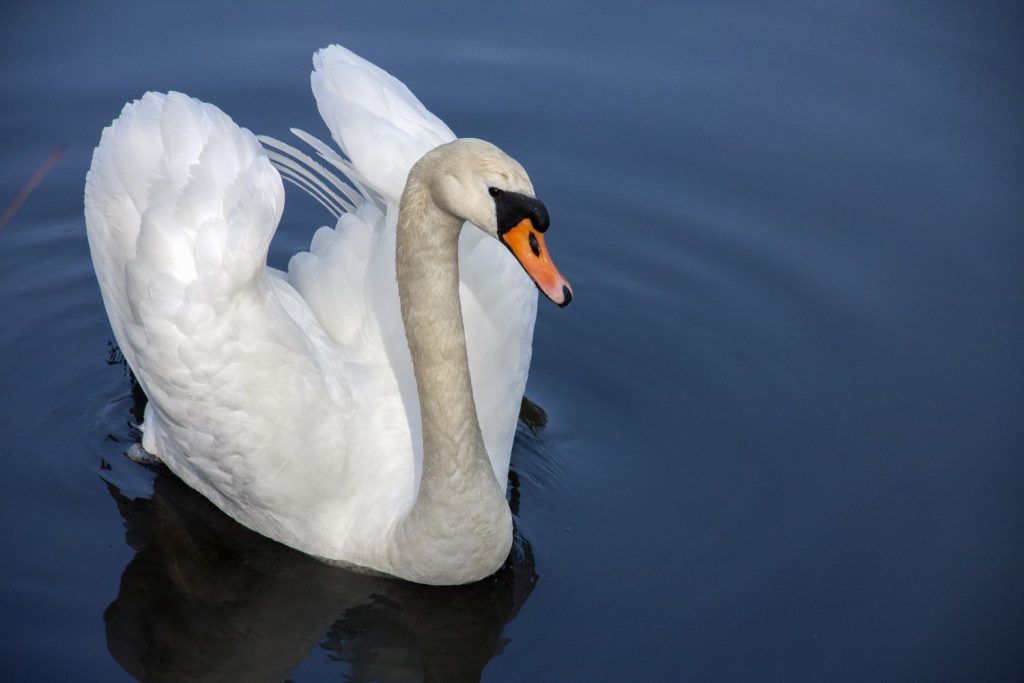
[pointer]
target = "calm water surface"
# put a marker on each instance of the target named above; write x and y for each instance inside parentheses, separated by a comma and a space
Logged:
(784, 430)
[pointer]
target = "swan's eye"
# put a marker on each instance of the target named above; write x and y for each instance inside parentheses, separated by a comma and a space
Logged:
(494, 192)
(534, 244)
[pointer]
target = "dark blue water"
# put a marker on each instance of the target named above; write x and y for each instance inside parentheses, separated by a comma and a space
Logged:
(784, 434)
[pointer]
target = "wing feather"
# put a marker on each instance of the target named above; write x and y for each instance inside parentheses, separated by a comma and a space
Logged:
(374, 118)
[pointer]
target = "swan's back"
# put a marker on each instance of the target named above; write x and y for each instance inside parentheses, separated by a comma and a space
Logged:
(250, 400)
(158, 219)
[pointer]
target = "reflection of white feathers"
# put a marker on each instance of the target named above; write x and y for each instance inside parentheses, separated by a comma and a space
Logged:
(288, 399)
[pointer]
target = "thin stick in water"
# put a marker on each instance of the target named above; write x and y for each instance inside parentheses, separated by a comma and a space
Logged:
(34, 181)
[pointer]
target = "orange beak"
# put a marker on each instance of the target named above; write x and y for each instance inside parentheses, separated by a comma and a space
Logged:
(527, 245)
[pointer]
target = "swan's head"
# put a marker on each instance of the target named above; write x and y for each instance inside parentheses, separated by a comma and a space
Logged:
(477, 182)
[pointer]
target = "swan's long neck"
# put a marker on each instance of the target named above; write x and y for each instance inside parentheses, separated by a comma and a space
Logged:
(460, 515)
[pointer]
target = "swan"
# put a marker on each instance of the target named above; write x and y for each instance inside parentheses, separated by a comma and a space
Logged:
(360, 406)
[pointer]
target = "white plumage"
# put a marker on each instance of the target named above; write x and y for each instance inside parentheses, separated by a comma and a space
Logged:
(288, 399)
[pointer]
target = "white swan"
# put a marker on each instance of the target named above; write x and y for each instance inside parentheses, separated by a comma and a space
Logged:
(296, 402)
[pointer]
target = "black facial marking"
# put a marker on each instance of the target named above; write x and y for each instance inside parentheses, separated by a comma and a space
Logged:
(512, 207)
(534, 245)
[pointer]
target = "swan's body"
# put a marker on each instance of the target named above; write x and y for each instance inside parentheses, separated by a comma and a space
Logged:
(292, 400)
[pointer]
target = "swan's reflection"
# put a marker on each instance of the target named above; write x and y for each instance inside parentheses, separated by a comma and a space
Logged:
(205, 599)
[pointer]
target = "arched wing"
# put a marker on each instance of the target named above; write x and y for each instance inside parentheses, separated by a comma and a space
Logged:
(374, 118)
(348, 275)
(180, 207)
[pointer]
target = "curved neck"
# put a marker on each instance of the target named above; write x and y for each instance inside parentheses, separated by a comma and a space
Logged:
(459, 500)
(427, 268)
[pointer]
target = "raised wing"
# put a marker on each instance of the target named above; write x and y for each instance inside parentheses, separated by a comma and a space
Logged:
(348, 275)
(245, 390)
(374, 118)
(180, 206)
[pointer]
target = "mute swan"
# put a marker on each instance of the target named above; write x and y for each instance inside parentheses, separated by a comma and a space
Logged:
(361, 406)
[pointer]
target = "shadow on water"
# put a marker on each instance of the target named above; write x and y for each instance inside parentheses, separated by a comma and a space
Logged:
(205, 599)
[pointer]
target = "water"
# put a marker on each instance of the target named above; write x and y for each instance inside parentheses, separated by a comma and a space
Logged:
(784, 436)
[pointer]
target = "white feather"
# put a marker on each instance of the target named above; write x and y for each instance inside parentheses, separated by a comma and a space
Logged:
(288, 399)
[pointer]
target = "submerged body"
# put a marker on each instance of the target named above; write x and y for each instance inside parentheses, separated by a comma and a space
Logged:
(317, 406)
